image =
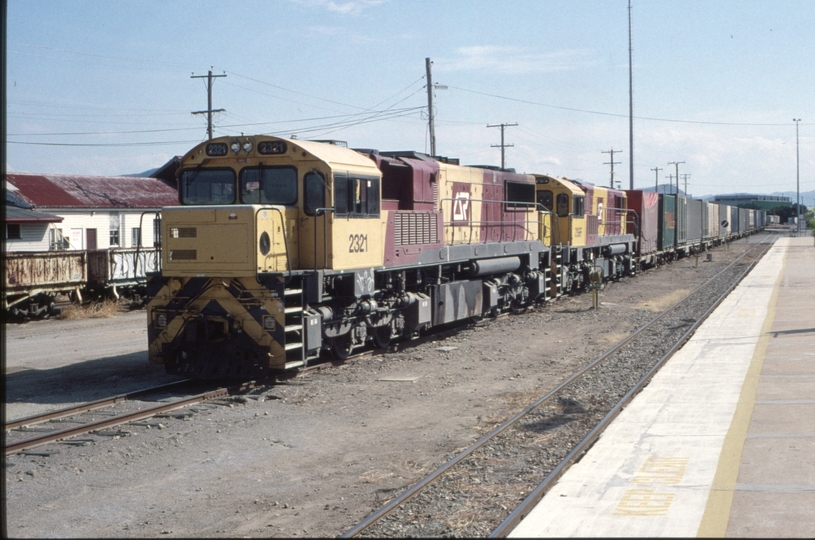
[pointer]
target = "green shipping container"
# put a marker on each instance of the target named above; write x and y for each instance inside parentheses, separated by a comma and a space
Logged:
(667, 222)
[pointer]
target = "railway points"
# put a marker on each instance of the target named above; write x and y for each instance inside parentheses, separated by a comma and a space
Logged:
(720, 442)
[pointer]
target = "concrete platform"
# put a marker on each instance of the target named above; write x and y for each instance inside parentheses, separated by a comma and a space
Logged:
(722, 441)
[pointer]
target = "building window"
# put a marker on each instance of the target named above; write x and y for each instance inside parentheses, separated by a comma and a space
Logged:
(135, 237)
(13, 231)
(57, 241)
(114, 229)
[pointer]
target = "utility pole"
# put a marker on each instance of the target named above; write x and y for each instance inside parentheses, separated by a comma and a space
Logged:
(209, 110)
(612, 163)
(431, 115)
(670, 183)
(502, 145)
(677, 163)
(656, 179)
(427, 64)
(630, 105)
(797, 179)
(685, 178)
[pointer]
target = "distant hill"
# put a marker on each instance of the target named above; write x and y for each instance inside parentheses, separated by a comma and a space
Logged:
(145, 174)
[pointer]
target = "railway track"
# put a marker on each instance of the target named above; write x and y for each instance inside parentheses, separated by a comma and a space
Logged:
(488, 488)
(64, 424)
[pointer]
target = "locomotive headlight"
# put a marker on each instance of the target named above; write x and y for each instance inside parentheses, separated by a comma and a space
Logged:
(235, 147)
(247, 146)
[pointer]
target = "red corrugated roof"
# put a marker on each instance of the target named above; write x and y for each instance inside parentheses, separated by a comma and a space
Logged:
(62, 190)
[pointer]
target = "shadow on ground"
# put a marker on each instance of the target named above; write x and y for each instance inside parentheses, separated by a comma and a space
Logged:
(85, 381)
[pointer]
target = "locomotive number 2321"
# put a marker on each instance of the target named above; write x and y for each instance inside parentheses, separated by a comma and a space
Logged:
(357, 243)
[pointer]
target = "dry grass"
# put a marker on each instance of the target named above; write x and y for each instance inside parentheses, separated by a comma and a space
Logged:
(93, 310)
(615, 337)
(374, 476)
(663, 302)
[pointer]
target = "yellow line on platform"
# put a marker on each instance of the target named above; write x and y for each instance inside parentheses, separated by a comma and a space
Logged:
(717, 510)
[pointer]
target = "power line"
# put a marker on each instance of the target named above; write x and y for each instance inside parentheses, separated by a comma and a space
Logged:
(151, 143)
(601, 113)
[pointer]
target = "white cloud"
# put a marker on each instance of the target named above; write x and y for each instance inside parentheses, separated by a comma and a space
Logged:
(507, 59)
(346, 34)
(349, 7)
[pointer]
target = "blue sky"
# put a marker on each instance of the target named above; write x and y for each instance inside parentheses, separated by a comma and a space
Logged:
(97, 87)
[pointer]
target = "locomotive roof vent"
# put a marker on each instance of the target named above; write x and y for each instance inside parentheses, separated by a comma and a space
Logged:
(419, 155)
(367, 151)
(335, 142)
(493, 168)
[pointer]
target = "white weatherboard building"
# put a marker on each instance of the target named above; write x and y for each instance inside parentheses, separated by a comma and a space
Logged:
(91, 212)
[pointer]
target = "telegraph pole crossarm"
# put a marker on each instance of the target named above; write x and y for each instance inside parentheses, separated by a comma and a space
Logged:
(677, 163)
(502, 145)
(685, 178)
(612, 163)
(209, 76)
(656, 179)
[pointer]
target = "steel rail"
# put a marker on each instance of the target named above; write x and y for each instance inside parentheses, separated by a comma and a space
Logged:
(125, 418)
(90, 406)
(412, 491)
(539, 492)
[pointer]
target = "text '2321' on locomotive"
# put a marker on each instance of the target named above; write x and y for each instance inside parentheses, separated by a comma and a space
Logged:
(281, 249)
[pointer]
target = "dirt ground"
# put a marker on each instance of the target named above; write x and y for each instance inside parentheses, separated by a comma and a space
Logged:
(311, 457)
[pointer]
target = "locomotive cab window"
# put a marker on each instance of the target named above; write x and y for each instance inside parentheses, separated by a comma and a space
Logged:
(356, 196)
(313, 193)
(269, 185)
(578, 205)
(545, 199)
(207, 186)
(562, 205)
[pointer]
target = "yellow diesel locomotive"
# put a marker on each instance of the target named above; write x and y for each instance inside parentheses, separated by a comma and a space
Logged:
(283, 248)
(589, 232)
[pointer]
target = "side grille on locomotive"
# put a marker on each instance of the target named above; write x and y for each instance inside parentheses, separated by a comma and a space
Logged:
(183, 254)
(412, 228)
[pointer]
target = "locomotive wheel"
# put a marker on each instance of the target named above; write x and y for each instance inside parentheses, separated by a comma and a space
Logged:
(382, 336)
(342, 346)
(516, 307)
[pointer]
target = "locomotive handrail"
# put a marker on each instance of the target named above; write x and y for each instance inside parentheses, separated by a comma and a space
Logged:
(528, 206)
(156, 245)
(285, 240)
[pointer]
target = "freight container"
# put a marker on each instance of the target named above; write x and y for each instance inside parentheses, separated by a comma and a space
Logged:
(711, 231)
(725, 225)
(693, 232)
(643, 220)
(744, 221)
(667, 222)
(681, 220)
